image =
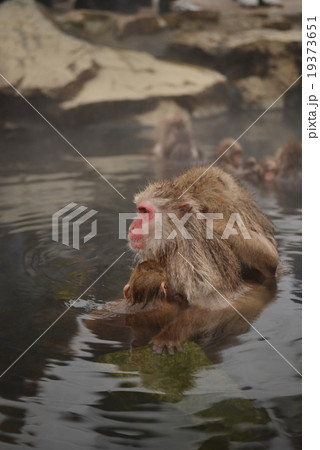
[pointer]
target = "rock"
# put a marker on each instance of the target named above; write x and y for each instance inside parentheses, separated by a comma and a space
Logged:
(124, 6)
(35, 55)
(157, 372)
(173, 20)
(258, 93)
(190, 19)
(142, 24)
(279, 24)
(294, 16)
(86, 23)
(259, 63)
(221, 47)
(37, 58)
(125, 75)
(75, 17)
(200, 15)
(205, 44)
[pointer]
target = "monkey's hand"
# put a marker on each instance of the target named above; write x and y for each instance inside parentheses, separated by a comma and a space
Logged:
(189, 323)
(162, 340)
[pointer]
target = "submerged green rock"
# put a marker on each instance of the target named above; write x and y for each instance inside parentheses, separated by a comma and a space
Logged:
(238, 419)
(170, 375)
(206, 395)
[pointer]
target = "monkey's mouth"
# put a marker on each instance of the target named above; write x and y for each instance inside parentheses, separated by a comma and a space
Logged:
(136, 243)
(270, 175)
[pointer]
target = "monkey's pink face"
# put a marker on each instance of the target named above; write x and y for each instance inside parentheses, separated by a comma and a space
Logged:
(270, 172)
(270, 175)
(237, 158)
(141, 225)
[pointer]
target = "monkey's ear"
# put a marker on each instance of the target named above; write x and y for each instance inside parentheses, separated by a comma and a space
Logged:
(164, 288)
(126, 291)
(185, 208)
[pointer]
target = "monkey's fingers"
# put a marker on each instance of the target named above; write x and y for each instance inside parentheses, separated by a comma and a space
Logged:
(174, 345)
(170, 348)
(179, 347)
(157, 347)
(158, 344)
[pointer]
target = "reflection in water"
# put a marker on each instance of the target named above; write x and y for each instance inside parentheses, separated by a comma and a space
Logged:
(219, 325)
(79, 389)
(217, 412)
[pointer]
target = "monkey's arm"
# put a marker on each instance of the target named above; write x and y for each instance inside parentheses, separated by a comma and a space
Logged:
(258, 253)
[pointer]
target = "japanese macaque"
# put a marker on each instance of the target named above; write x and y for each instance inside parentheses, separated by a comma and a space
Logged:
(229, 154)
(289, 161)
(148, 285)
(251, 163)
(208, 235)
(250, 170)
(279, 172)
(175, 139)
(268, 169)
(186, 225)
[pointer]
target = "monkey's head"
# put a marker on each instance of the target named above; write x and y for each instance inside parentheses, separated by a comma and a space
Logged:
(175, 119)
(164, 214)
(175, 124)
(268, 169)
(147, 283)
(230, 151)
(251, 163)
(289, 157)
(154, 230)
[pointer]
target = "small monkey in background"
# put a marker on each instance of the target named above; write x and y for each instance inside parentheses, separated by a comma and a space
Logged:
(289, 161)
(175, 139)
(250, 170)
(268, 169)
(251, 163)
(230, 154)
(281, 171)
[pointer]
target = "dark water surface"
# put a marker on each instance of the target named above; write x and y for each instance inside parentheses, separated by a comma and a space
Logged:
(62, 394)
